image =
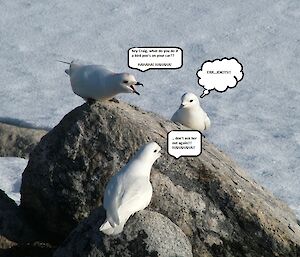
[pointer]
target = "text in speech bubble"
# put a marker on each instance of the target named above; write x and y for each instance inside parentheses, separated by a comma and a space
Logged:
(219, 75)
(184, 143)
(146, 58)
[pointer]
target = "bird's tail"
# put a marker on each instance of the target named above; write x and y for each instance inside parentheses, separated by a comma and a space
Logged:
(73, 65)
(68, 71)
(207, 122)
(64, 62)
(107, 229)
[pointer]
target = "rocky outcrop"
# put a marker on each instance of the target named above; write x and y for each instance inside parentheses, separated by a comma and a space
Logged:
(17, 141)
(215, 204)
(17, 237)
(146, 234)
(13, 226)
(35, 249)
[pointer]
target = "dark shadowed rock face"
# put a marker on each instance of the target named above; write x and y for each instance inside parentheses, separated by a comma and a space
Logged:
(36, 249)
(218, 207)
(18, 142)
(13, 226)
(147, 233)
(17, 238)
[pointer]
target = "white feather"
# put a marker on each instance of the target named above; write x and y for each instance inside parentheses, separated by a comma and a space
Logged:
(97, 82)
(190, 113)
(129, 190)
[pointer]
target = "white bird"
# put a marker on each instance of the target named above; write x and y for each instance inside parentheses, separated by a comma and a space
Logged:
(190, 113)
(129, 190)
(98, 83)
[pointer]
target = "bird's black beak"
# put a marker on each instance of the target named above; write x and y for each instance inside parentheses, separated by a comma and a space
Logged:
(134, 91)
(139, 84)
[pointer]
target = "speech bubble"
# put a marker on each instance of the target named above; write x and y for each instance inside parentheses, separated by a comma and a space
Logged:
(220, 75)
(149, 58)
(184, 143)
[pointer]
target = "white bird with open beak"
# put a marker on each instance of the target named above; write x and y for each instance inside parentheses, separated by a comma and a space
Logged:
(96, 82)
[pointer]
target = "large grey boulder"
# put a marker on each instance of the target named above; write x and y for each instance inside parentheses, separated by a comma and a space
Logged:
(147, 233)
(17, 141)
(218, 207)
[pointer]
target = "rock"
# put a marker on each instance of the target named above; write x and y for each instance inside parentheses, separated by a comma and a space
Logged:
(13, 226)
(147, 233)
(221, 210)
(36, 249)
(18, 142)
(17, 237)
(5, 243)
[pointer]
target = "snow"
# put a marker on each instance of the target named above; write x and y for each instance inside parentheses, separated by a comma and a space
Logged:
(257, 123)
(11, 169)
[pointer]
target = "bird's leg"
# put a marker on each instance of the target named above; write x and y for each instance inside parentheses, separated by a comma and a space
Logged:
(115, 100)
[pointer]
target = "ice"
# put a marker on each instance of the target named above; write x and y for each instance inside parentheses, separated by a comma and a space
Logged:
(257, 123)
(11, 169)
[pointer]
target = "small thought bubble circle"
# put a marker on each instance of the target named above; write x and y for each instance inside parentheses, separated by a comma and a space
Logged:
(219, 75)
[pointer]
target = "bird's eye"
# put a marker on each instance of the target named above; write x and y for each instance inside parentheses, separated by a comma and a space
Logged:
(125, 81)
(191, 101)
(155, 150)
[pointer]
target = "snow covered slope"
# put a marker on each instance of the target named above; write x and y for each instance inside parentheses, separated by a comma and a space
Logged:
(11, 169)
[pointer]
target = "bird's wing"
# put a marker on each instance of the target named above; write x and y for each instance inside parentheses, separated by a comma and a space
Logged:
(89, 75)
(175, 117)
(135, 198)
(112, 200)
(207, 122)
(121, 204)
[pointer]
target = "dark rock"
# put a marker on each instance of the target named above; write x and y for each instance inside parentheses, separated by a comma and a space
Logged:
(17, 237)
(147, 233)
(13, 226)
(221, 210)
(17, 141)
(36, 249)
(5, 243)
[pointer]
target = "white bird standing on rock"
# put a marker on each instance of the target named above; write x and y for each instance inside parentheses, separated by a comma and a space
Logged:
(190, 113)
(129, 190)
(95, 82)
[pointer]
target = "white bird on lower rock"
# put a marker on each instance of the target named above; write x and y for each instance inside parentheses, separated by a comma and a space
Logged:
(95, 82)
(129, 190)
(190, 113)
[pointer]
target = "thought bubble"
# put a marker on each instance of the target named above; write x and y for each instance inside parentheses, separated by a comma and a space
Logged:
(184, 143)
(146, 58)
(219, 75)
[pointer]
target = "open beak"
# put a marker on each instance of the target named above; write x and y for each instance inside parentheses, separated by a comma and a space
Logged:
(159, 153)
(133, 90)
(139, 84)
